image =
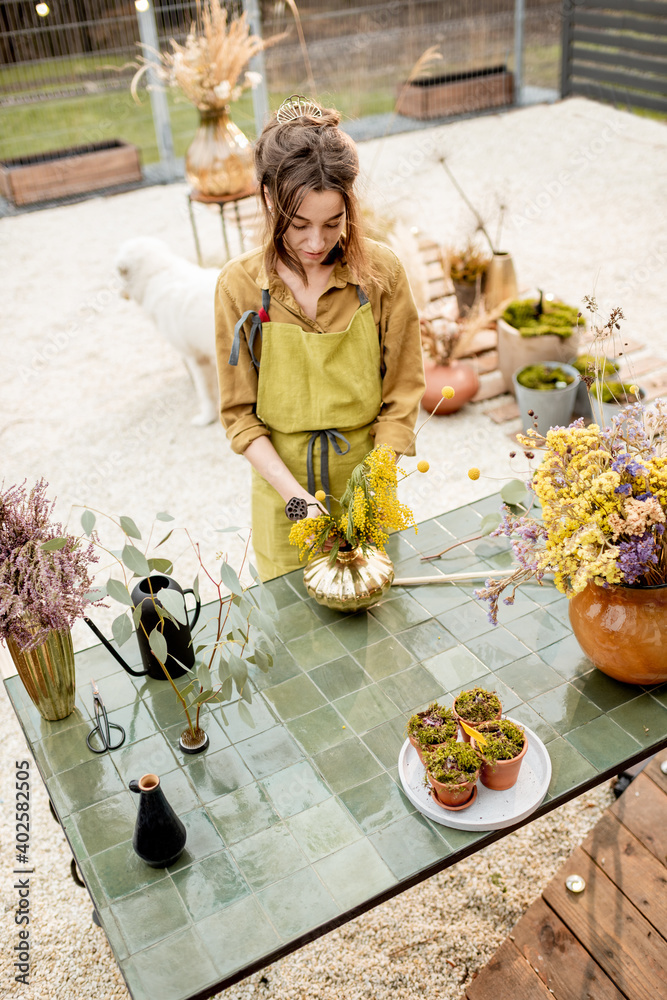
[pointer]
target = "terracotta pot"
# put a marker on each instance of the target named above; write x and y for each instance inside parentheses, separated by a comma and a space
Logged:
(454, 795)
(460, 375)
(353, 582)
(498, 775)
(469, 722)
(515, 351)
(623, 631)
(219, 160)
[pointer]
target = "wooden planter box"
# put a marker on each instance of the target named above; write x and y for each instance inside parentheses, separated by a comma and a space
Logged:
(45, 176)
(455, 93)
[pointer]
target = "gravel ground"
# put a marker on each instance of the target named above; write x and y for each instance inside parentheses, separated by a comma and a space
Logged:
(96, 403)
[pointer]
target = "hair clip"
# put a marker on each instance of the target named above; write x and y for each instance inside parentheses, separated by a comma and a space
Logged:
(297, 106)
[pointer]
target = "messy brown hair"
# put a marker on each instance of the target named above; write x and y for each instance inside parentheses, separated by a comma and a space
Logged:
(294, 158)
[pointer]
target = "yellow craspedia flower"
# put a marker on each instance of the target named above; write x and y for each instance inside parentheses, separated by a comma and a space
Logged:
(320, 495)
(634, 390)
(423, 466)
(473, 473)
(448, 392)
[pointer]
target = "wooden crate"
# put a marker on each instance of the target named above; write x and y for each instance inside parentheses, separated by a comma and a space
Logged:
(44, 176)
(455, 93)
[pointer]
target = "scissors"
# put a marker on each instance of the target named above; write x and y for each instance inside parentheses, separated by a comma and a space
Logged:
(103, 727)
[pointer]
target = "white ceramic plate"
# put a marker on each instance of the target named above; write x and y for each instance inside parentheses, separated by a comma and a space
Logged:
(491, 810)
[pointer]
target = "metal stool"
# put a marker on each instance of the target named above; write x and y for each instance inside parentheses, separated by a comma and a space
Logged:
(221, 201)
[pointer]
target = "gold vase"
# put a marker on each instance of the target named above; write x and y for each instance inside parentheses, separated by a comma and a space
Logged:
(47, 672)
(500, 282)
(219, 160)
(356, 580)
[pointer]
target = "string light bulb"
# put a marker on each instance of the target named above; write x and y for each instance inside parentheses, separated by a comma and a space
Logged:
(42, 9)
(141, 5)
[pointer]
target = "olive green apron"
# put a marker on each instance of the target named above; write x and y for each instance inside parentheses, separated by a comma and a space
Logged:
(319, 394)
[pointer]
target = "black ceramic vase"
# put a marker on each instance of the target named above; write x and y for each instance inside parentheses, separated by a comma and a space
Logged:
(179, 637)
(159, 835)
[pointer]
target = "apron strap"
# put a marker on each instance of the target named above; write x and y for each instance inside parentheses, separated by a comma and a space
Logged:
(327, 437)
(363, 298)
(255, 328)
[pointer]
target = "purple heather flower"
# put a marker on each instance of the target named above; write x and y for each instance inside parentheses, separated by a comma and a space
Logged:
(624, 488)
(39, 591)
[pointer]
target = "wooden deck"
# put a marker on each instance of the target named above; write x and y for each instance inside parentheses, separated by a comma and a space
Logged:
(608, 942)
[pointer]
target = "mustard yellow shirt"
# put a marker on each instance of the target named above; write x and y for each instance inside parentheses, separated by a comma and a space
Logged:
(240, 288)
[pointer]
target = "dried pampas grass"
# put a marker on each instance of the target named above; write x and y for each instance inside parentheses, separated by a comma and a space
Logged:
(208, 67)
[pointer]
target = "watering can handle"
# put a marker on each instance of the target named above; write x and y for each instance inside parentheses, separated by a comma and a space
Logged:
(114, 652)
(196, 609)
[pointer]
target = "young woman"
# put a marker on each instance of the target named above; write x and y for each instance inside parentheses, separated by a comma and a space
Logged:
(318, 347)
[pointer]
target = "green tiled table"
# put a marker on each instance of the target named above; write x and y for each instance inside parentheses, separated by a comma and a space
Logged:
(301, 824)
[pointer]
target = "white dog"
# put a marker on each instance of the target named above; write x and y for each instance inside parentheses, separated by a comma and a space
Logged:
(179, 298)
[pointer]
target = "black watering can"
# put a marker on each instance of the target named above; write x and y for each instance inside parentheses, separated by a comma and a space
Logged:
(178, 637)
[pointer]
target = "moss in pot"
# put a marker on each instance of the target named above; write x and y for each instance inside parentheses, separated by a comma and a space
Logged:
(505, 746)
(542, 317)
(532, 331)
(452, 770)
(476, 705)
(431, 727)
(544, 379)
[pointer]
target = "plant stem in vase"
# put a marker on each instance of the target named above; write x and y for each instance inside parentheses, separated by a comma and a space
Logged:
(219, 160)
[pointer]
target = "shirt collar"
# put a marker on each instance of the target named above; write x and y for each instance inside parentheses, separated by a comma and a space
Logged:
(340, 277)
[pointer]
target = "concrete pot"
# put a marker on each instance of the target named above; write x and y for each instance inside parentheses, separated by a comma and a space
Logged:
(602, 413)
(515, 351)
(551, 407)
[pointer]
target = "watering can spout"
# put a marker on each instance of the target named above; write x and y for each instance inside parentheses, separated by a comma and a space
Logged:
(180, 653)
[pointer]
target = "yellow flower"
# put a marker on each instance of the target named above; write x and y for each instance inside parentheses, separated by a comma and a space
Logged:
(423, 466)
(320, 495)
(448, 392)
(473, 473)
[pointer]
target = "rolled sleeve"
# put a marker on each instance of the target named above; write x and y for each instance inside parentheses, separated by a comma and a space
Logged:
(403, 369)
(237, 383)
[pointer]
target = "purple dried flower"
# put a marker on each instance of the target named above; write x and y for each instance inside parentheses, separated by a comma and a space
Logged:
(40, 591)
(637, 556)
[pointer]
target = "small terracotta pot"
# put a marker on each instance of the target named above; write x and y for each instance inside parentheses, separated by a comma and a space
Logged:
(460, 375)
(454, 795)
(466, 804)
(469, 722)
(498, 775)
(418, 748)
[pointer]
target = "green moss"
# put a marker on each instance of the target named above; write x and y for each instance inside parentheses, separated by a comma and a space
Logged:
(617, 392)
(553, 318)
(453, 763)
(436, 725)
(477, 705)
(543, 378)
(586, 364)
(505, 741)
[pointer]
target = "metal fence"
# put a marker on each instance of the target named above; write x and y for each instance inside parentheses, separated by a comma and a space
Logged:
(616, 50)
(65, 76)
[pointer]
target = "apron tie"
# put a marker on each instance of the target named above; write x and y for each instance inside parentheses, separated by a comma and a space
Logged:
(327, 437)
(255, 328)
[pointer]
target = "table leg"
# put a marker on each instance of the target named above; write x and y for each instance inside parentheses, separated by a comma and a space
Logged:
(224, 231)
(194, 231)
(238, 223)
